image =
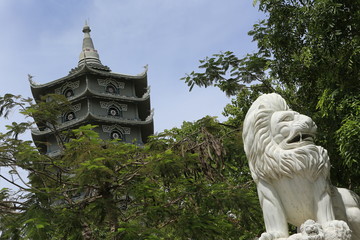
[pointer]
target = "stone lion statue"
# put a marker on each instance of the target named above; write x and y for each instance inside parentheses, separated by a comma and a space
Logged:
(292, 174)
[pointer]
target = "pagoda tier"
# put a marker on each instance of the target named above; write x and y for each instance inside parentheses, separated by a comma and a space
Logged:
(118, 104)
(108, 127)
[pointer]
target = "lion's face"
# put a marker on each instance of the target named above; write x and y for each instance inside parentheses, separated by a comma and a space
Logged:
(291, 130)
(279, 142)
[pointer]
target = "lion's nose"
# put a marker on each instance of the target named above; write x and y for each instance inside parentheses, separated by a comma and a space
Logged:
(306, 122)
(309, 122)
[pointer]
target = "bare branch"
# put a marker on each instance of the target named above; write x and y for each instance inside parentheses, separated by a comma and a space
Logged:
(13, 183)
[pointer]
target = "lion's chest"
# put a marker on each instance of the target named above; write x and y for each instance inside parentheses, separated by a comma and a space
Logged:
(297, 197)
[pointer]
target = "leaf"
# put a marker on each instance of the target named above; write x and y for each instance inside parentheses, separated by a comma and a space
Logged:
(39, 226)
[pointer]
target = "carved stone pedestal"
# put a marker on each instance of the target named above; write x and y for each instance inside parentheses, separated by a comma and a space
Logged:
(311, 230)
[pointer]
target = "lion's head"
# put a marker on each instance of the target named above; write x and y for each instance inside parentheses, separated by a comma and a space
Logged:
(280, 142)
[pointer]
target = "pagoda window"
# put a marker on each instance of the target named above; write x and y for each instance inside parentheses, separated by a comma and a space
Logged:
(69, 116)
(114, 111)
(68, 92)
(110, 88)
(116, 134)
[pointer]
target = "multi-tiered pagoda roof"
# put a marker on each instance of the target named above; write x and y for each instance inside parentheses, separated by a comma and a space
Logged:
(118, 104)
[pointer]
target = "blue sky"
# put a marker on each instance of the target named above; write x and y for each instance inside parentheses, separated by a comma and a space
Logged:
(44, 38)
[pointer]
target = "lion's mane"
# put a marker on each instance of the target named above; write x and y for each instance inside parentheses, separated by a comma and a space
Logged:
(266, 159)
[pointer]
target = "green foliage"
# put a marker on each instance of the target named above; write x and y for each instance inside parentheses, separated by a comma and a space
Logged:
(228, 72)
(308, 52)
(347, 135)
(186, 183)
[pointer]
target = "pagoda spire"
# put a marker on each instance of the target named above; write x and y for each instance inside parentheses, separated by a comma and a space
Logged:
(88, 54)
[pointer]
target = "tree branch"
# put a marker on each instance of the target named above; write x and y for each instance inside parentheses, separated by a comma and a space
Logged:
(13, 183)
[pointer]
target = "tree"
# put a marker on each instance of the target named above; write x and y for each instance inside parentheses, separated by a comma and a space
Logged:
(308, 51)
(193, 182)
(186, 183)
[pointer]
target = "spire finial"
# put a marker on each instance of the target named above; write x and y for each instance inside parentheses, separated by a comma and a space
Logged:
(88, 53)
(86, 28)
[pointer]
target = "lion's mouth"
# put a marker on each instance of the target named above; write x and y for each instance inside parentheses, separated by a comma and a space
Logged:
(301, 137)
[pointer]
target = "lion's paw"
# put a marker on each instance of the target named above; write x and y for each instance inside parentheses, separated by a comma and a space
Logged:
(312, 230)
(337, 230)
(266, 236)
(270, 236)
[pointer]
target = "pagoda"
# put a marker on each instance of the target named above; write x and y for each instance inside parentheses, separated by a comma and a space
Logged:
(118, 104)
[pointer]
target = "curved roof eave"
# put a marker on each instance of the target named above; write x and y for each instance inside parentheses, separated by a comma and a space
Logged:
(85, 68)
(62, 126)
(118, 97)
(121, 121)
(108, 96)
(90, 116)
(121, 75)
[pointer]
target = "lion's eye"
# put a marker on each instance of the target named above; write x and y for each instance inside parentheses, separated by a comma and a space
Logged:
(287, 118)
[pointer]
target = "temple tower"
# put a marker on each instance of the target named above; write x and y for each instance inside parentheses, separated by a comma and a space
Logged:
(118, 104)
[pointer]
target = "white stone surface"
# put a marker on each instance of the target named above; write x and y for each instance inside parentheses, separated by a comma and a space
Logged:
(293, 176)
